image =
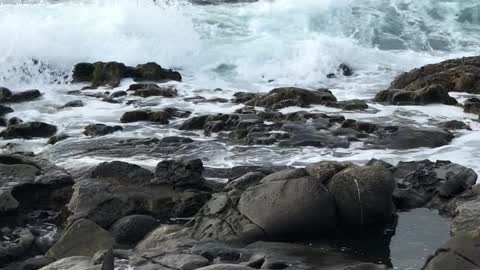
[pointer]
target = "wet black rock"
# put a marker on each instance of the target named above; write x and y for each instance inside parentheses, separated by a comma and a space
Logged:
(472, 105)
(154, 72)
(116, 189)
(14, 121)
(7, 96)
(348, 105)
(111, 73)
(430, 94)
(458, 75)
(57, 138)
(180, 173)
(291, 96)
(5, 110)
(117, 94)
(454, 125)
(149, 90)
(403, 137)
(162, 117)
(130, 230)
(431, 184)
(29, 182)
(29, 130)
(95, 130)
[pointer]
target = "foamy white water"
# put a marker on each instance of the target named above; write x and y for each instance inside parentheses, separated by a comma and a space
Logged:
(240, 47)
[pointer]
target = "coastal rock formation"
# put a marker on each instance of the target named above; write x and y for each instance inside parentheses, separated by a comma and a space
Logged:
(111, 73)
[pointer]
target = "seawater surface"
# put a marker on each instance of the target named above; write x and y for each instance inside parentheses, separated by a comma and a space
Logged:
(251, 47)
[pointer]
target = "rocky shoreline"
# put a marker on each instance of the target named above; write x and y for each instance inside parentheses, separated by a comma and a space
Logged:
(178, 215)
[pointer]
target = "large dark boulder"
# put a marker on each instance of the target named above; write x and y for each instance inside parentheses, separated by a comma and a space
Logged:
(83, 72)
(430, 94)
(116, 189)
(29, 130)
(154, 72)
(363, 196)
(458, 75)
(430, 184)
(6, 96)
(179, 173)
(162, 117)
(290, 207)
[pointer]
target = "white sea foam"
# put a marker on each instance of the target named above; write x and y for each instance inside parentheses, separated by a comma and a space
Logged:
(240, 47)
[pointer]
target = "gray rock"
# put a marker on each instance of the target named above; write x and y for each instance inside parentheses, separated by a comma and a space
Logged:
(289, 207)
(363, 196)
(220, 220)
(183, 261)
(403, 137)
(180, 173)
(116, 189)
(36, 263)
(325, 170)
(70, 263)
(28, 182)
(158, 236)
(226, 267)
(82, 238)
(459, 253)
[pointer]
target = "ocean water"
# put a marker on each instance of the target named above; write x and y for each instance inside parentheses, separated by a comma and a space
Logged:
(250, 47)
(240, 47)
